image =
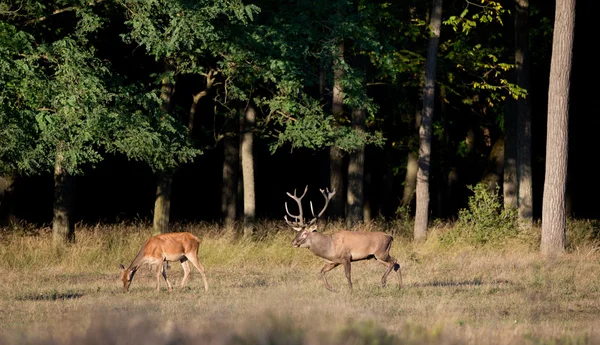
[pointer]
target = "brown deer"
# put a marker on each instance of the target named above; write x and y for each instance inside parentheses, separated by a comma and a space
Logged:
(342, 247)
(161, 249)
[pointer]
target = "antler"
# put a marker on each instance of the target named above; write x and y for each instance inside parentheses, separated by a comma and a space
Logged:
(328, 195)
(299, 218)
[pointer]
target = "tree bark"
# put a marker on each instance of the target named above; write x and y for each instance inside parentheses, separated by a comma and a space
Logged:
(410, 179)
(509, 186)
(162, 202)
(63, 228)
(356, 174)
(7, 199)
(553, 206)
(425, 130)
(230, 180)
(247, 147)
(336, 158)
(525, 191)
(495, 168)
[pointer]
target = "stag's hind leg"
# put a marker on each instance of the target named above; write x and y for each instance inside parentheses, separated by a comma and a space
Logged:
(391, 264)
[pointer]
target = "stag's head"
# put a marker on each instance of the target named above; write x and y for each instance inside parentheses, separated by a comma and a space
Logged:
(299, 224)
(126, 277)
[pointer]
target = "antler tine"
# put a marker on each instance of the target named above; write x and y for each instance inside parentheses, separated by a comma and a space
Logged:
(300, 217)
(328, 195)
(297, 218)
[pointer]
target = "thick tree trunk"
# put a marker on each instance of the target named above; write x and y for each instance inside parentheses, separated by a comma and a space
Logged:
(162, 202)
(509, 186)
(410, 179)
(247, 147)
(425, 130)
(523, 115)
(6, 199)
(230, 180)
(495, 168)
(356, 174)
(63, 228)
(553, 207)
(412, 162)
(336, 158)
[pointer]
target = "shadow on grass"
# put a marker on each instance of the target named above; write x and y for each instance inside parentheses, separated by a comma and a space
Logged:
(451, 283)
(51, 296)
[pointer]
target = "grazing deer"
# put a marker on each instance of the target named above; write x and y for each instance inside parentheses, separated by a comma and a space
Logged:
(342, 247)
(161, 249)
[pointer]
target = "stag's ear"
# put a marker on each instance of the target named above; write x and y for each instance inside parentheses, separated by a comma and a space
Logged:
(122, 267)
(313, 228)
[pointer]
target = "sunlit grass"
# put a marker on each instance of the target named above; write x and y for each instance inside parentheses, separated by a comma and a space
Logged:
(266, 292)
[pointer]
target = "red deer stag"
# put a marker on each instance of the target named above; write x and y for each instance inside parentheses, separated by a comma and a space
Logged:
(342, 247)
(163, 248)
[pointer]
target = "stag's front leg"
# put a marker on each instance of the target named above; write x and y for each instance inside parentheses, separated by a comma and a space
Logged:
(328, 267)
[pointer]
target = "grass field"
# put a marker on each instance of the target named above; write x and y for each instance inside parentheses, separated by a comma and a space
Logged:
(266, 292)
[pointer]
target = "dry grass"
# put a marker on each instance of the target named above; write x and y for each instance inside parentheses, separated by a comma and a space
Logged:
(265, 292)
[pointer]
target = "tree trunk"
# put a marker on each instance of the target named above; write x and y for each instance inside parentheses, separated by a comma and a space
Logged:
(162, 202)
(356, 174)
(7, 199)
(509, 186)
(425, 130)
(495, 168)
(553, 206)
(525, 190)
(63, 228)
(230, 180)
(336, 158)
(410, 180)
(247, 146)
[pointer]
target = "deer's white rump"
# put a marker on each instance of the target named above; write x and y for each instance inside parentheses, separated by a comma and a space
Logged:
(163, 248)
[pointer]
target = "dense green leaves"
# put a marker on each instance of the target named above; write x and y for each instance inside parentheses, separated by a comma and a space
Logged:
(59, 96)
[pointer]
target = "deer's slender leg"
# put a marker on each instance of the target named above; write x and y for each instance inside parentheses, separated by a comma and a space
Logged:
(159, 269)
(186, 271)
(194, 260)
(328, 267)
(348, 273)
(391, 264)
(163, 268)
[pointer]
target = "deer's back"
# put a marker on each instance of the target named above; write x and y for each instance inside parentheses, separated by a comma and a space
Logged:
(174, 242)
(362, 244)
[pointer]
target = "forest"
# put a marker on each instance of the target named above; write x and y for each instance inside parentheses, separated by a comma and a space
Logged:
(448, 141)
(188, 111)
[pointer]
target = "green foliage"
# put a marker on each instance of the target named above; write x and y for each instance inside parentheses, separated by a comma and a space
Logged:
(60, 97)
(142, 131)
(485, 220)
(477, 59)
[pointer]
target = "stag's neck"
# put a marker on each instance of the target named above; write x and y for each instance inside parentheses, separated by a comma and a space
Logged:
(322, 245)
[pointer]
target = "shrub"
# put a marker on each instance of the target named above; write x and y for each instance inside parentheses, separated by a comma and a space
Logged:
(485, 220)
